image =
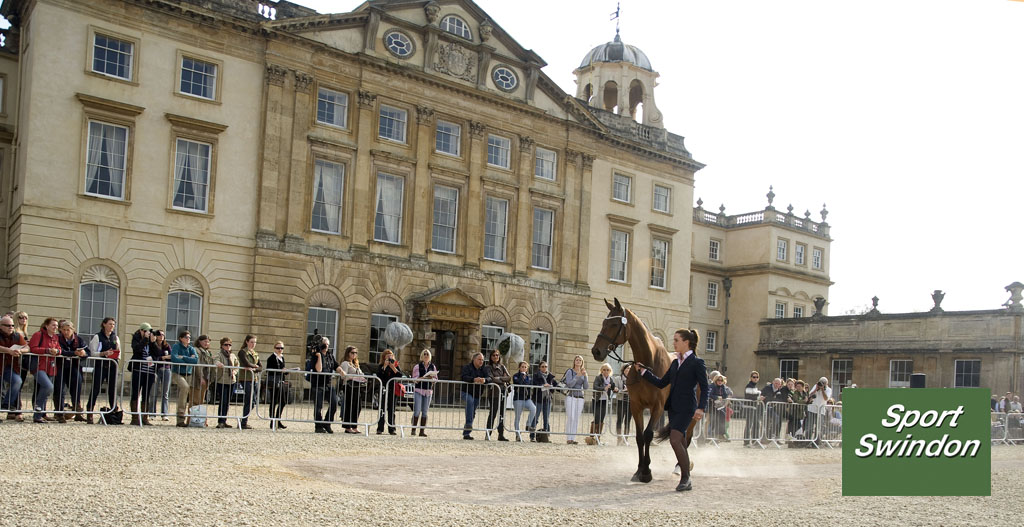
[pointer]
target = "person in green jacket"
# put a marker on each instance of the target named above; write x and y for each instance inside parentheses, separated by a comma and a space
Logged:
(249, 360)
(183, 353)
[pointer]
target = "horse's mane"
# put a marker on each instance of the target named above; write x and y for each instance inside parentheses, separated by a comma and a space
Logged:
(657, 355)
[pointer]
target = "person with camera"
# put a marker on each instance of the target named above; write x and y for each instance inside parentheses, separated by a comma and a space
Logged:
(817, 398)
(69, 370)
(498, 374)
(107, 345)
(387, 369)
(322, 364)
(143, 373)
(227, 374)
(542, 399)
(355, 382)
(473, 377)
(424, 390)
(277, 387)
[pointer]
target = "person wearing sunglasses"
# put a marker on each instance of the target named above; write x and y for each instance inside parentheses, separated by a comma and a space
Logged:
(750, 410)
(277, 387)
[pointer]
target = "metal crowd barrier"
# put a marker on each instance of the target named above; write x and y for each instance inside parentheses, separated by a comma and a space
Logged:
(294, 396)
(73, 383)
(736, 420)
(1014, 428)
(203, 402)
(789, 422)
(830, 425)
(447, 406)
(1000, 430)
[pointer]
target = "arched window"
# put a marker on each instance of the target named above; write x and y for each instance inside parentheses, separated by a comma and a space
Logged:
(456, 26)
(184, 307)
(97, 298)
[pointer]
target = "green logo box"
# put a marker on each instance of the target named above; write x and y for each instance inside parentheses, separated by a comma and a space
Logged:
(902, 442)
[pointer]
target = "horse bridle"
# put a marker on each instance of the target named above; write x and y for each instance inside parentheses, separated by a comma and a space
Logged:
(612, 344)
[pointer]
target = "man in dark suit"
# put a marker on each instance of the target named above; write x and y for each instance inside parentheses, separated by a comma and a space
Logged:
(686, 373)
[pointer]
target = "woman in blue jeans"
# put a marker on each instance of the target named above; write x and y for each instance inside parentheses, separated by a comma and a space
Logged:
(46, 343)
(424, 391)
(522, 398)
(542, 397)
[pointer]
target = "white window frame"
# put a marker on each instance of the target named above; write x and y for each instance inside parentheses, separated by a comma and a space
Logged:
(129, 67)
(319, 167)
(893, 372)
(782, 250)
(618, 259)
(816, 257)
(712, 295)
(455, 25)
(539, 243)
(489, 342)
(780, 310)
(958, 376)
(545, 165)
(499, 151)
(659, 264)
(203, 170)
(330, 329)
(799, 254)
(710, 341)
(498, 241)
(90, 161)
(384, 178)
(541, 337)
(444, 228)
(619, 180)
(798, 311)
(453, 133)
(177, 312)
(88, 302)
(376, 350)
(837, 387)
(783, 370)
(667, 196)
(714, 250)
(333, 102)
(214, 88)
(392, 124)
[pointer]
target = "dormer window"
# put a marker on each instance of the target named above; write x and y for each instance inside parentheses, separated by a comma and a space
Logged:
(456, 26)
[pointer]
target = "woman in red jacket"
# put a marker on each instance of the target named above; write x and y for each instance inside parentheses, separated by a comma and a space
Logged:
(46, 343)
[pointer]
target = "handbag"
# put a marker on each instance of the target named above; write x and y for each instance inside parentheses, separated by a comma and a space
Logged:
(287, 397)
(399, 389)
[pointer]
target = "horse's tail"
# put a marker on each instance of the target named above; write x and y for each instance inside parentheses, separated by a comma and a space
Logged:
(662, 434)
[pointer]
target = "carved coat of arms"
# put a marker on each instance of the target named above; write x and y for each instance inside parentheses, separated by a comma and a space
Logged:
(456, 61)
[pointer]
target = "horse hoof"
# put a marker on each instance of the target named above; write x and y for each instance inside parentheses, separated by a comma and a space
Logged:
(646, 478)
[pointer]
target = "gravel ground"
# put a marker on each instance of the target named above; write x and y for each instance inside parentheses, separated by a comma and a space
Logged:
(77, 474)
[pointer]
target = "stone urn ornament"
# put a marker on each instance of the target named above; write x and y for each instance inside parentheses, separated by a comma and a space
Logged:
(937, 297)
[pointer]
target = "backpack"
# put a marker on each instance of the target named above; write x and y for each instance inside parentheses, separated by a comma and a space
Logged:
(112, 417)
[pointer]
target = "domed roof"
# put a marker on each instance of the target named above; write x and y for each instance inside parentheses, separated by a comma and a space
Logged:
(616, 51)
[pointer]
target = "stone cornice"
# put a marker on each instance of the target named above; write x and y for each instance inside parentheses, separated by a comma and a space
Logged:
(107, 105)
(755, 269)
(191, 123)
(661, 229)
(615, 219)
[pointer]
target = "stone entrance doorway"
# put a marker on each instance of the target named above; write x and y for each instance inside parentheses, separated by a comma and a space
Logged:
(448, 322)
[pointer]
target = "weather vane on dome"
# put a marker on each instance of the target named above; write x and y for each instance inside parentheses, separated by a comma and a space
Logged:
(615, 17)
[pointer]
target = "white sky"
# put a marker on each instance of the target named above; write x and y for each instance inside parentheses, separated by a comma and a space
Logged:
(904, 116)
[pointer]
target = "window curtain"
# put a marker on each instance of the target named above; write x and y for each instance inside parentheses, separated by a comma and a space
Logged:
(328, 187)
(389, 208)
(106, 159)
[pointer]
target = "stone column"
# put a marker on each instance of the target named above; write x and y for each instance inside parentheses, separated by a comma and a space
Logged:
(267, 215)
(524, 217)
(586, 169)
(300, 166)
(477, 158)
(363, 202)
(422, 200)
(570, 238)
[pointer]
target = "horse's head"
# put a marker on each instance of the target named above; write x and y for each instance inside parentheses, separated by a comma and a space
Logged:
(613, 331)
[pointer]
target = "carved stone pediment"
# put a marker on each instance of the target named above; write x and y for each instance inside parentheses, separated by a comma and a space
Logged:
(455, 60)
(448, 304)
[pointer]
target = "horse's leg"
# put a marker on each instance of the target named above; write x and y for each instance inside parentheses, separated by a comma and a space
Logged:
(645, 475)
(638, 426)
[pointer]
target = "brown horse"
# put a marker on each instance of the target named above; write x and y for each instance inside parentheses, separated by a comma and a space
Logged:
(622, 326)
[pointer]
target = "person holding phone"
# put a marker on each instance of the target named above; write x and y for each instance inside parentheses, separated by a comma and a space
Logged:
(69, 371)
(388, 369)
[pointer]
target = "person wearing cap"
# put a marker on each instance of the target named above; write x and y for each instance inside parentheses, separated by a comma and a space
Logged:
(227, 374)
(183, 355)
(143, 373)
